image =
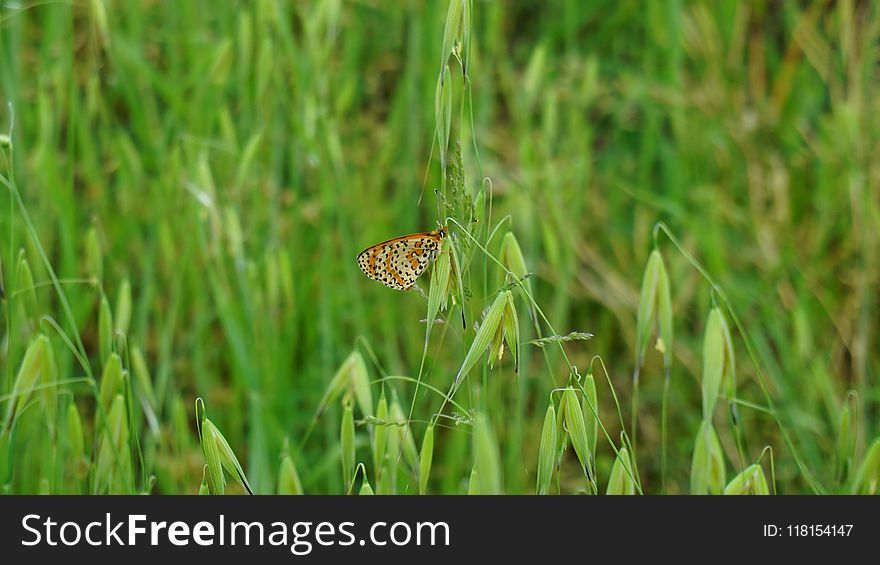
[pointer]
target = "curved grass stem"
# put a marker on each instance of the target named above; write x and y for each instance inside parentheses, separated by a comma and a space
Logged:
(759, 371)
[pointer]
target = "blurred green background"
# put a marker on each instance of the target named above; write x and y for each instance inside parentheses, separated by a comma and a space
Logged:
(224, 163)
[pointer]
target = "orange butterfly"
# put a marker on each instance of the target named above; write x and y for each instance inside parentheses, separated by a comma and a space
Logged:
(398, 262)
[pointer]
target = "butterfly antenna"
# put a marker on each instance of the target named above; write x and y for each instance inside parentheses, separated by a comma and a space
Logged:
(439, 196)
(428, 167)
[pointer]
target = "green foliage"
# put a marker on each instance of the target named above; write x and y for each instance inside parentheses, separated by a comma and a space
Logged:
(184, 196)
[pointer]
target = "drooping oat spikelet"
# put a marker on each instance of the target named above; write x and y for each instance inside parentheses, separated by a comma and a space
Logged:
(750, 481)
(32, 367)
(288, 477)
(707, 464)
(620, 481)
(426, 457)
(867, 479)
(487, 461)
(547, 454)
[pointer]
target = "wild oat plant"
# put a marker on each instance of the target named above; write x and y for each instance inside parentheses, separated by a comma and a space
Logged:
(183, 312)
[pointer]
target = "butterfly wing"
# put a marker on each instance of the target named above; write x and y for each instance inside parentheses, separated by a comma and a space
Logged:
(398, 262)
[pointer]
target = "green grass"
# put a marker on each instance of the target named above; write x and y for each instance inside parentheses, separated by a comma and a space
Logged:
(187, 187)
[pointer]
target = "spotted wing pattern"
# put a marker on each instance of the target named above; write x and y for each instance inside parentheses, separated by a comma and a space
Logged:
(398, 262)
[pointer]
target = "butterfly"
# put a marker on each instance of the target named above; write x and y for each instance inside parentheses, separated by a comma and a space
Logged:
(398, 262)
